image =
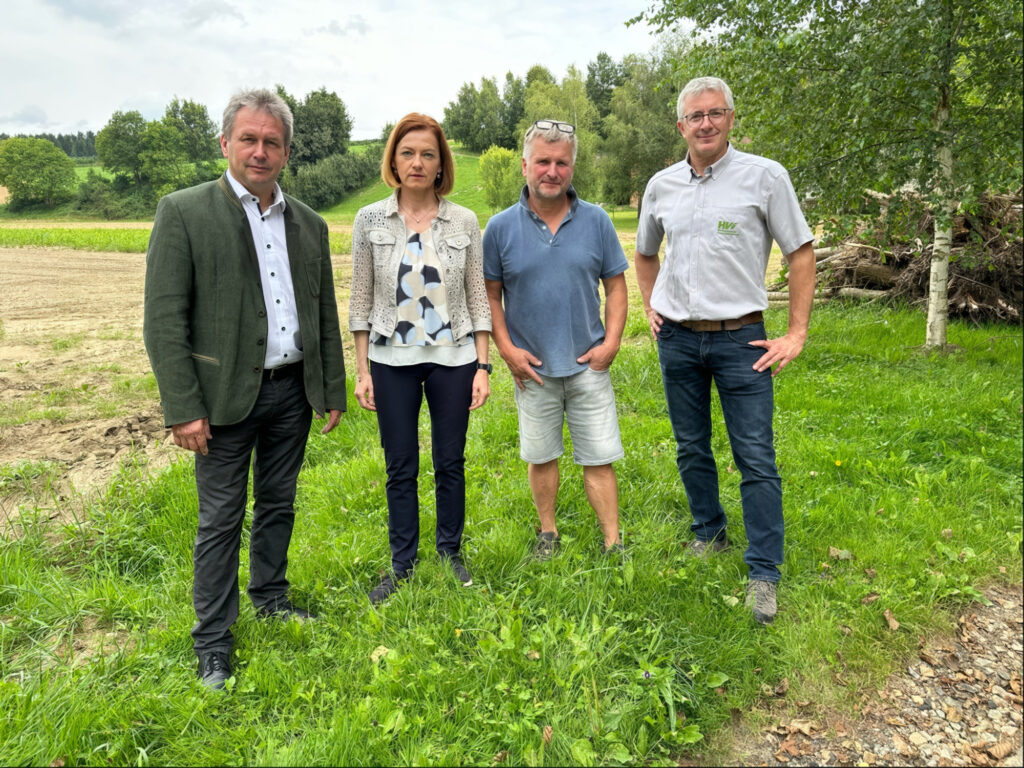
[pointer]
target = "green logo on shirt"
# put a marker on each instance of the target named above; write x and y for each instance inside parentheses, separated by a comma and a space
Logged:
(727, 228)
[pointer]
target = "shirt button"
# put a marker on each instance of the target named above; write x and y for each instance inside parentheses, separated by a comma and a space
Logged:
(259, 342)
(282, 327)
(273, 274)
(277, 301)
(268, 246)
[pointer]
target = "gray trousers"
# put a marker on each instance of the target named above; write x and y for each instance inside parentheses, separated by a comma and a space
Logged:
(273, 437)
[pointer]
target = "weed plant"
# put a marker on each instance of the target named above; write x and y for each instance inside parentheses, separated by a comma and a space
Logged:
(902, 480)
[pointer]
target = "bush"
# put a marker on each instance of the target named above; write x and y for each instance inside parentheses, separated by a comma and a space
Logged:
(35, 171)
(501, 174)
(111, 199)
(326, 182)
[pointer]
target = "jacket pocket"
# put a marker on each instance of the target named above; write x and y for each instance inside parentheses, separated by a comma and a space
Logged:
(205, 359)
(455, 248)
(380, 240)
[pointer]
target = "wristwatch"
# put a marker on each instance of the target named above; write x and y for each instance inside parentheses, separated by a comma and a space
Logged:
(485, 367)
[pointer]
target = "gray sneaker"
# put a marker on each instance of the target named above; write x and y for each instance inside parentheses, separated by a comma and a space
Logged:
(700, 548)
(547, 545)
(761, 598)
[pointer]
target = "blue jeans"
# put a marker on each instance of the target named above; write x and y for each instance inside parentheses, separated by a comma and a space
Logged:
(690, 360)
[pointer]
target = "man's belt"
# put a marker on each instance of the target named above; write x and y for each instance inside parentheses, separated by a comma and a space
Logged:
(282, 371)
(723, 325)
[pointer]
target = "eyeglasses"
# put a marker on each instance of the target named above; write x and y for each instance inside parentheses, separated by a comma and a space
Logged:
(547, 125)
(714, 115)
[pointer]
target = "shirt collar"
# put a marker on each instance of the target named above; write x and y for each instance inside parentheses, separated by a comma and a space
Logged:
(244, 194)
(717, 167)
(574, 199)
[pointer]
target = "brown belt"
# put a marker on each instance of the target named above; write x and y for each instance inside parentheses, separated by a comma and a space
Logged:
(722, 325)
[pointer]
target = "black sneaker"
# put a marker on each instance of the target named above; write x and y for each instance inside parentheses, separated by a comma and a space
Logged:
(284, 609)
(214, 669)
(616, 548)
(387, 587)
(547, 545)
(460, 570)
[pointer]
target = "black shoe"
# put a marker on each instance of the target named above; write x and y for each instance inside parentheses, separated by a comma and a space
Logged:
(384, 590)
(283, 609)
(546, 546)
(214, 669)
(616, 549)
(460, 570)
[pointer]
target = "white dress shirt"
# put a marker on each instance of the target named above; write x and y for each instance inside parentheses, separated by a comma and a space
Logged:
(284, 342)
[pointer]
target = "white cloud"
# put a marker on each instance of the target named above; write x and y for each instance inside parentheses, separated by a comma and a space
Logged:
(72, 63)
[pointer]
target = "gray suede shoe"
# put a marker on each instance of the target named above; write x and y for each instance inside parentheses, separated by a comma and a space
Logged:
(761, 598)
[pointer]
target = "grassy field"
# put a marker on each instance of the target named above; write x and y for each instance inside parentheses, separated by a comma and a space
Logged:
(902, 480)
(109, 239)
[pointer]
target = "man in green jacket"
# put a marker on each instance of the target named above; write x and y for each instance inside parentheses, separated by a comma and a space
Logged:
(241, 328)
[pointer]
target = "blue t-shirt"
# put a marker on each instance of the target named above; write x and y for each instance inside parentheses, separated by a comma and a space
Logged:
(550, 284)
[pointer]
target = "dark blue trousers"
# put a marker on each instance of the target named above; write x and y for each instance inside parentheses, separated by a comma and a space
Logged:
(398, 391)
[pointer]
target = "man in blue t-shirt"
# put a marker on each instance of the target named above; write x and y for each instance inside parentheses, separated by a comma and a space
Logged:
(544, 259)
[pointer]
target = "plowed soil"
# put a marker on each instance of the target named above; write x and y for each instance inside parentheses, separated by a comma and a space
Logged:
(76, 394)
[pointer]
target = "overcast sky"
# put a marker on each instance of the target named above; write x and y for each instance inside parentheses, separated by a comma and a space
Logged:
(67, 65)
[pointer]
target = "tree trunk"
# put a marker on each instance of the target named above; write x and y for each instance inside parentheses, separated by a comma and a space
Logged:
(938, 283)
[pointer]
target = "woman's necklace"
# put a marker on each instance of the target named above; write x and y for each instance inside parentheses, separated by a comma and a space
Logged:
(431, 211)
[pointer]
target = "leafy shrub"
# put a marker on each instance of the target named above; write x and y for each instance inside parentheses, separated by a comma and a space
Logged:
(326, 182)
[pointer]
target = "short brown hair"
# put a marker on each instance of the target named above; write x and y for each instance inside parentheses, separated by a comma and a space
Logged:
(415, 121)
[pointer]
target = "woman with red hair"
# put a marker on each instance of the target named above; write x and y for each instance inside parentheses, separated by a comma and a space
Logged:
(421, 325)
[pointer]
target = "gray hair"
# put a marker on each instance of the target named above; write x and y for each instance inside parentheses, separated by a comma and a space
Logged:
(697, 86)
(258, 100)
(551, 135)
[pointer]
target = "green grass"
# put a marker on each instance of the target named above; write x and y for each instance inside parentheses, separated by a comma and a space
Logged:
(911, 463)
(108, 239)
(82, 171)
(85, 239)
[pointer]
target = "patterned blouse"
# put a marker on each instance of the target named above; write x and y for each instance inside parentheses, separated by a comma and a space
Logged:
(422, 303)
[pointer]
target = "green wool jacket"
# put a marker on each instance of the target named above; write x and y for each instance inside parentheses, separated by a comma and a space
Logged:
(205, 322)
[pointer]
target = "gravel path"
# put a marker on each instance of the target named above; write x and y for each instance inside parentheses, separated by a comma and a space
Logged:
(958, 703)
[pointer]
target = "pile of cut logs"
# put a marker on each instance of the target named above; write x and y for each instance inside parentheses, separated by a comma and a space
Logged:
(986, 269)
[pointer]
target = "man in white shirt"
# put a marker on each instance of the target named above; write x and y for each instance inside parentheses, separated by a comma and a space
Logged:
(719, 210)
(241, 328)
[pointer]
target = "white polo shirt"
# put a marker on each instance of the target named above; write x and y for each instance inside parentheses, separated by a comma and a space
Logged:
(284, 342)
(719, 231)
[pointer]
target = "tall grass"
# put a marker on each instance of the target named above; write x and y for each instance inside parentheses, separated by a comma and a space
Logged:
(911, 464)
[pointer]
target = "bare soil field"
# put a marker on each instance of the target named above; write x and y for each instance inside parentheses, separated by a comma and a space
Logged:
(76, 393)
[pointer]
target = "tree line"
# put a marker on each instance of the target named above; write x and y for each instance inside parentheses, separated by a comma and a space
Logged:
(147, 159)
(623, 112)
(80, 146)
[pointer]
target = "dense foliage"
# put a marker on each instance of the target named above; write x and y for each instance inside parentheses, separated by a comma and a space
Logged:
(35, 171)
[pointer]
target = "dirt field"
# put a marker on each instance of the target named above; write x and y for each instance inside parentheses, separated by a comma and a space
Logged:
(76, 396)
